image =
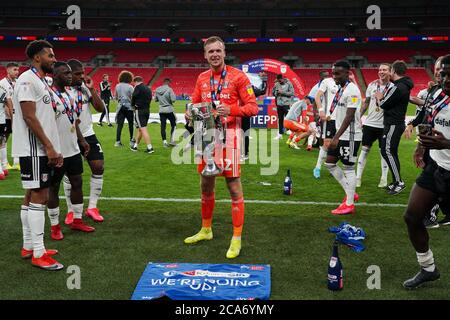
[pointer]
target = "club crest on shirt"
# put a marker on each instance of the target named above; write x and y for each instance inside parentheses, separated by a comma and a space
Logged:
(44, 177)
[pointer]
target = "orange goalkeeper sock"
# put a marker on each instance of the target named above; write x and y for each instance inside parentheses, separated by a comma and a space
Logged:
(208, 202)
(237, 212)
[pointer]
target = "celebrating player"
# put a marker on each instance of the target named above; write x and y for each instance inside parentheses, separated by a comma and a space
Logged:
(82, 90)
(234, 92)
(69, 134)
(327, 90)
(36, 143)
(347, 139)
(433, 184)
(373, 125)
(6, 106)
(300, 129)
(394, 104)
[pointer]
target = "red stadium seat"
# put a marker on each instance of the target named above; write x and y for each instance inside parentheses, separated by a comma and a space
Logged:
(183, 79)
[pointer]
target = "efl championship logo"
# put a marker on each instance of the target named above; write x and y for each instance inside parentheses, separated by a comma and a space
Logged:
(283, 68)
(245, 68)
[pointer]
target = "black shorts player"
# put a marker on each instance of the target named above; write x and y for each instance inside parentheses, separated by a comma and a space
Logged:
(370, 135)
(141, 117)
(96, 151)
(329, 129)
(346, 151)
(35, 172)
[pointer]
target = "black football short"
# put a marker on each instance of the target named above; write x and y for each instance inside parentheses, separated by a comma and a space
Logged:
(96, 151)
(346, 151)
(35, 172)
(372, 134)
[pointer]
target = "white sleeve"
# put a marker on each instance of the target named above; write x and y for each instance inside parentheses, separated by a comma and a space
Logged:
(353, 97)
(26, 90)
(323, 86)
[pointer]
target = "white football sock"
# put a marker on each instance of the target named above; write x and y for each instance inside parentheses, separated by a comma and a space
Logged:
(310, 140)
(362, 159)
(36, 220)
(149, 146)
(426, 260)
(53, 215)
(16, 161)
(77, 210)
(67, 189)
(350, 177)
(27, 240)
(338, 174)
(321, 158)
(96, 190)
(3, 157)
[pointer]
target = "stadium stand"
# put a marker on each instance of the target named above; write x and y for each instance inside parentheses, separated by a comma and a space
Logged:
(183, 79)
(419, 76)
(113, 72)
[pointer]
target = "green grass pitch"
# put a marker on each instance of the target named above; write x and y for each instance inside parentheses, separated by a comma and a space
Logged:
(292, 238)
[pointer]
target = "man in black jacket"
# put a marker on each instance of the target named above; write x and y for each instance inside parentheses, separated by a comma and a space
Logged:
(394, 104)
(106, 95)
(140, 101)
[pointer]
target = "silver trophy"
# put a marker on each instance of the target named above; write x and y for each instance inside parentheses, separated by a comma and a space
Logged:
(208, 132)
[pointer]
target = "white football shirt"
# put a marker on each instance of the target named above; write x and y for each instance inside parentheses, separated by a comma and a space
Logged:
(67, 134)
(24, 143)
(329, 89)
(86, 127)
(375, 114)
(442, 124)
(351, 98)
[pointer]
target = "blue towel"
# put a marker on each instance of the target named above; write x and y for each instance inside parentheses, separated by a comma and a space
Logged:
(349, 235)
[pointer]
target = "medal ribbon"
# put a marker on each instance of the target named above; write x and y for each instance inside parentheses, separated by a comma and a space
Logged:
(337, 97)
(215, 95)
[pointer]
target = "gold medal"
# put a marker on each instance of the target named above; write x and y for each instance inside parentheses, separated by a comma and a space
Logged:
(72, 129)
(377, 109)
(328, 118)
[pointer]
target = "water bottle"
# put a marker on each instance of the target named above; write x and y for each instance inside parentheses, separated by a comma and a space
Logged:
(335, 271)
(288, 183)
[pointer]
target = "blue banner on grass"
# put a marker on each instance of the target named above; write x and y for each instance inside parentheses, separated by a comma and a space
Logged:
(193, 281)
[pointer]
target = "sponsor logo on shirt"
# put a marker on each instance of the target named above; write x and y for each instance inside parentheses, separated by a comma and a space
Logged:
(46, 99)
(442, 122)
(206, 95)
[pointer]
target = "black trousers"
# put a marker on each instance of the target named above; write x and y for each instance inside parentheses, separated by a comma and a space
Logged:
(389, 148)
(173, 123)
(282, 112)
(105, 111)
(121, 116)
(246, 128)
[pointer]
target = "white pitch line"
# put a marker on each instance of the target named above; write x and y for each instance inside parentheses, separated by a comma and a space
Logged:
(278, 202)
